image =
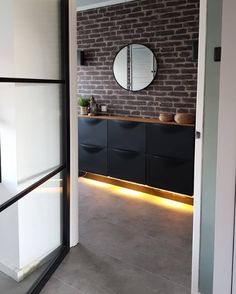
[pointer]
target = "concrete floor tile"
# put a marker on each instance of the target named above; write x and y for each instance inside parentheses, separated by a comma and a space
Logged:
(127, 246)
(95, 272)
(54, 286)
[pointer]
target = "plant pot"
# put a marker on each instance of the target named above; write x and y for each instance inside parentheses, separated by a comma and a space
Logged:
(83, 110)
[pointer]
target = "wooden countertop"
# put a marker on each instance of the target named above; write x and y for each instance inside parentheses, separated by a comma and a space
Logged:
(135, 119)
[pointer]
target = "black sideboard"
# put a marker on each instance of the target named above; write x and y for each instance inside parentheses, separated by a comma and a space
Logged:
(141, 151)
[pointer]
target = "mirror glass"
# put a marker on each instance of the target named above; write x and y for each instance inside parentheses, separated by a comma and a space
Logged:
(135, 67)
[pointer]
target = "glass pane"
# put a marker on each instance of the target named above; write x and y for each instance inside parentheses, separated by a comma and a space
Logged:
(31, 236)
(30, 134)
(30, 32)
(38, 129)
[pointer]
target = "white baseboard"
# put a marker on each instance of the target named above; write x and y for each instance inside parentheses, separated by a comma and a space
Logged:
(8, 271)
(20, 274)
(101, 4)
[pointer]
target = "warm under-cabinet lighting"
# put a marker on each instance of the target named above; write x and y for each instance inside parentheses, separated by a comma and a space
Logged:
(96, 183)
(140, 196)
(126, 192)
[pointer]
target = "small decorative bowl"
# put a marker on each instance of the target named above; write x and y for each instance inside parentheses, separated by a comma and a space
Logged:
(185, 118)
(166, 117)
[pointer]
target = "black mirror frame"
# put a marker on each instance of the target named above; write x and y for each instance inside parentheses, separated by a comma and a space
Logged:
(154, 55)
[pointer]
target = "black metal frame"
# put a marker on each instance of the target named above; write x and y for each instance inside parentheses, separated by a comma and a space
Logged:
(33, 81)
(65, 167)
(154, 76)
(35, 185)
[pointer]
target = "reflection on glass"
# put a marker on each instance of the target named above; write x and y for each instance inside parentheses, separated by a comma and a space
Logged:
(120, 68)
(30, 134)
(35, 237)
(30, 32)
(38, 129)
(135, 67)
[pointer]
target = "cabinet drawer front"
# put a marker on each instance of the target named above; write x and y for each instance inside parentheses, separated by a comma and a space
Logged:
(93, 131)
(126, 165)
(170, 141)
(170, 174)
(126, 135)
(93, 159)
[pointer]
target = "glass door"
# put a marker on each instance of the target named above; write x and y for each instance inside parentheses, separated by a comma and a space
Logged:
(34, 142)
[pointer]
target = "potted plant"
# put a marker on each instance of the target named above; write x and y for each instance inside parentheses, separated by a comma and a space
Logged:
(84, 104)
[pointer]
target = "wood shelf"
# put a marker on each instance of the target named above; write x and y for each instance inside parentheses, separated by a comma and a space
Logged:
(134, 119)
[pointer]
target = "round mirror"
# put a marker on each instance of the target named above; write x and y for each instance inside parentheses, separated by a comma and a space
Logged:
(135, 67)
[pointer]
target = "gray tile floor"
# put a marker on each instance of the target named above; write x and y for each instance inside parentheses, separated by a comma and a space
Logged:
(129, 244)
(10, 286)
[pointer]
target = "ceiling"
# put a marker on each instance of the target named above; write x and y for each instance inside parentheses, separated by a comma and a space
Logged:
(89, 4)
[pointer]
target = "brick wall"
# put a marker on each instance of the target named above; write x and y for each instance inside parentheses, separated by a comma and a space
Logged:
(168, 27)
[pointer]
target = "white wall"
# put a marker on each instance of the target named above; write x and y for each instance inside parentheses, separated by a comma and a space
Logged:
(219, 156)
(9, 245)
(89, 4)
(9, 250)
(30, 132)
(8, 141)
(209, 155)
(226, 158)
(38, 141)
(38, 129)
(74, 185)
(39, 221)
(37, 21)
(6, 38)
(198, 146)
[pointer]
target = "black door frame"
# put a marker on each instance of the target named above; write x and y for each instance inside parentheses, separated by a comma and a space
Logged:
(65, 166)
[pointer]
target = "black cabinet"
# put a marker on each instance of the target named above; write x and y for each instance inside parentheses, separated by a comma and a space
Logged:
(170, 140)
(93, 131)
(126, 165)
(173, 174)
(93, 145)
(93, 159)
(126, 135)
(158, 155)
(170, 157)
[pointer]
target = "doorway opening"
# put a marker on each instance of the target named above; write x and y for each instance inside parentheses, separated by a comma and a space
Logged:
(131, 240)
